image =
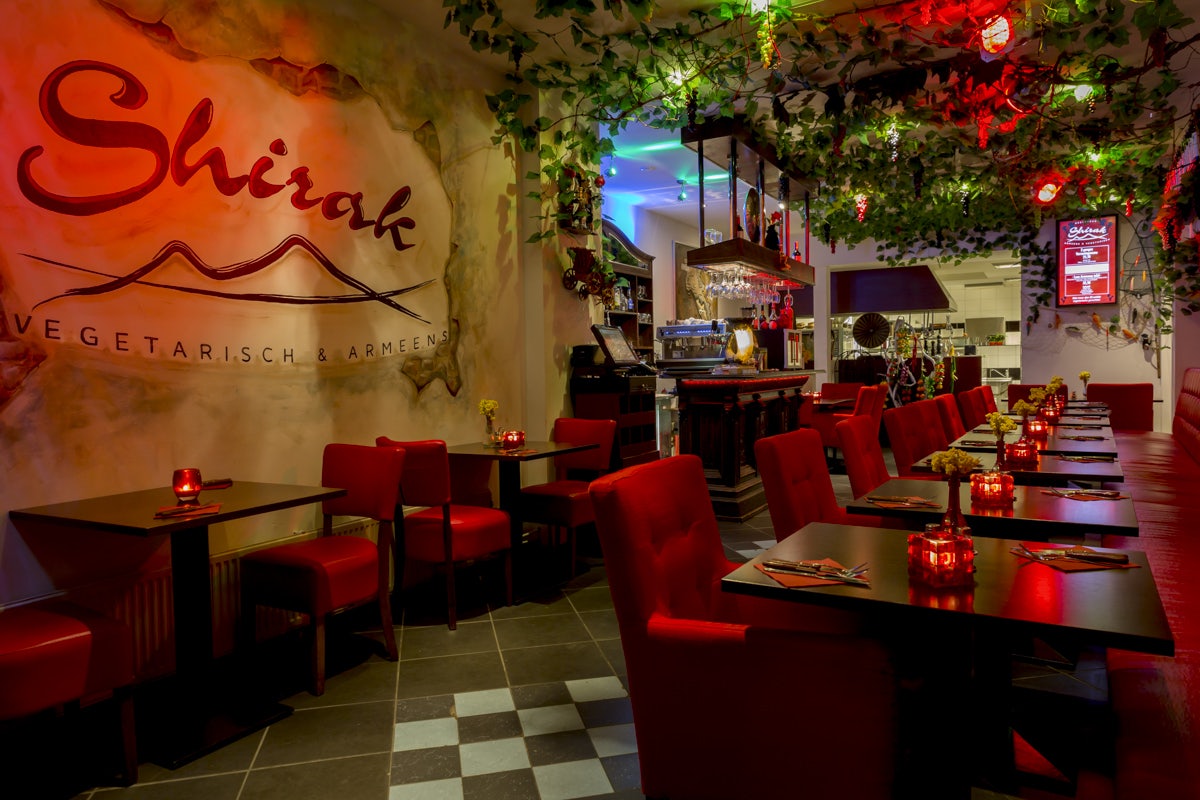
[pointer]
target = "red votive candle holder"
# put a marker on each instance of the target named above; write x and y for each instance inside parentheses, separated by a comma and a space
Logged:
(512, 440)
(1022, 451)
(939, 557)
(186, 484)
(1038, 427)
(992, 488)
(1049, 414)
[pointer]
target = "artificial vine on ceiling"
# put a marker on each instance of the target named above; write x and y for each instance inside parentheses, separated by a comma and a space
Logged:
(912, 134)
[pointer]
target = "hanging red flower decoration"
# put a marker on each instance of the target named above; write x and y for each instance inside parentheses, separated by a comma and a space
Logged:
(860, 206)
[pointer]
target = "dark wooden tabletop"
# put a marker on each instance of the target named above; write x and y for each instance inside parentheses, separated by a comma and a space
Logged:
(133, 512)
(530, 452)
(1097, 441)
(1036, 515)
(1049, 470)
(1107, 608)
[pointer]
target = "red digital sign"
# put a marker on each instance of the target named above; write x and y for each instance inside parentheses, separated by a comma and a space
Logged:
(1087, 261)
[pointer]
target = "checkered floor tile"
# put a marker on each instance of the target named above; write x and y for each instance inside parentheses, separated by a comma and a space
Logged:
(549, 741)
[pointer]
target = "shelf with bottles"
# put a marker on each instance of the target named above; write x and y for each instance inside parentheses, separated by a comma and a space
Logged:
(632, 309)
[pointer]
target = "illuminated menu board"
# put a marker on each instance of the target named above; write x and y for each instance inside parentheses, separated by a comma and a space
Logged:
(1087, 261)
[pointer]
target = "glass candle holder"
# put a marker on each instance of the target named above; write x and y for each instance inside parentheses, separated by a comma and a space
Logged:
(186, 483)
(1022, 451)
(992, 488)
(1039, 428)
(513, 440)
(941, 557)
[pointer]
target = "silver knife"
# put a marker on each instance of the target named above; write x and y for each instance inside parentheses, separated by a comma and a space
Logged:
(824, 576)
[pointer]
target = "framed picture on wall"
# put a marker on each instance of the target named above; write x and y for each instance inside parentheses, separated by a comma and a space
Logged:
(1087, 261)
(692, 300)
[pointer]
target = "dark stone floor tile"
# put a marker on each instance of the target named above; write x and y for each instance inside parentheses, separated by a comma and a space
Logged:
(624, 771)
(361, 778)
(592, 599)
(612, 711)
(488, 727)
(328, 733)
(558, 662)
(363, 683)
(430, 764)
(548, 601)
(438, 640)
(212, 787)
(450, 674)
(556, 748)
(518, 784)
(546, 629)
(611, 648)
(601, 624)
(232, 757)
(538, 695)
(420, 708)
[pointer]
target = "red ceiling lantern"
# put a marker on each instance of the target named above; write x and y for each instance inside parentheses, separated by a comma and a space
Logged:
(996, 35)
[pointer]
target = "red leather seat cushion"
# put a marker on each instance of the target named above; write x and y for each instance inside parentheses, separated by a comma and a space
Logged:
(566, 502)
(477, 533)
(343, 567)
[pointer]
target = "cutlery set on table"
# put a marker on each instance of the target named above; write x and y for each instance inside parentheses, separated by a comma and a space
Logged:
(819, 570)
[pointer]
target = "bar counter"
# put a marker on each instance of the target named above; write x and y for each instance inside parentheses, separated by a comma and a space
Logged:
(720, 419)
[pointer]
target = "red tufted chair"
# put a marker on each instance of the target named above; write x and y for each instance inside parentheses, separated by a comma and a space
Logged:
(63, 655)
(444, 532)
(825, 423)
(952, 423)
(971, 408)
(915, 431)
(989, 399)
(564, 502)
(322, 576)
(798, 487)
(690, 650)
(865, 465)
(1130, 405)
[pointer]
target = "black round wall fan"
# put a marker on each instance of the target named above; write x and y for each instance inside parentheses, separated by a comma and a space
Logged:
(871, 330)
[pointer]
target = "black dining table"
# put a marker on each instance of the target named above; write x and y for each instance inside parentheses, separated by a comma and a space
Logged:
(199, 717)
(974, 630)
(1096, 442)
(1037, 513)
(1049, 470)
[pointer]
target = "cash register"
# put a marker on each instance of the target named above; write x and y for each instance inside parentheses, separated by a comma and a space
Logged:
(620, 388)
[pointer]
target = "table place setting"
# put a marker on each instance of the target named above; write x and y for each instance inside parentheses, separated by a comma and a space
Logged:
(1088, 459)
(804, 574)
(901, 501)
(1071, 559)
(187, 511)
(978, 442)
(1077, 438)
(1087, 494)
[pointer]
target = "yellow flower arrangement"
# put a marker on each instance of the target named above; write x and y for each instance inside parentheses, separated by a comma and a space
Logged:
(1037, 396)
(1085, 376)
(1024, 408)
(953, 462)
(1056, 382)
(1001, 423)
(488, 408)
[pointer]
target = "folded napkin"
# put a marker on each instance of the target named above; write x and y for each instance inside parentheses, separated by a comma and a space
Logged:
(1083, 438)
(903, 502)
(1089, 459)
(1085, 496)
(187, 512)
(979, 442)
(803, 581)
(1064, 564)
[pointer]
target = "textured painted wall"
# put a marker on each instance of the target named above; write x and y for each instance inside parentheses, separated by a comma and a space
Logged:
(274, 324)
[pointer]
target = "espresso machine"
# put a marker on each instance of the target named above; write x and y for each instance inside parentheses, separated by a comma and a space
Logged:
(691, 347)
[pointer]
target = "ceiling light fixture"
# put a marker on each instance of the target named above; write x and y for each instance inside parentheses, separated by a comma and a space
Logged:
(1048, 191)
(996, 36)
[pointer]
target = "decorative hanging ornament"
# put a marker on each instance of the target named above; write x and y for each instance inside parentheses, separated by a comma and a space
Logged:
(893, 140)
(860, 206)
(1129, 205)
(1046, 191)
(964, 199)
(996, 36)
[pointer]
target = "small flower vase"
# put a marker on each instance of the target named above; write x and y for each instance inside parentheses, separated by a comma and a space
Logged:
(1025, 434)
(1085, 390)
(954, 519)
(1001, 451)
(493, 434)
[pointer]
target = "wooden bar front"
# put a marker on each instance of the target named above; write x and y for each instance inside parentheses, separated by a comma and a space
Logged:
(720, 419)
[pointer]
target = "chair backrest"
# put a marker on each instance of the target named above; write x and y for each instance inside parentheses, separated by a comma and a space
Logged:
(952, 422)
(370, 475)
(881, 395)
(426, 477)
(971, 407)
(865, 400)
(989, 399)
(1130, 405)
(584, 431)
(839, 391)
(661, 543)
(795, 479)
(862, 454)
(914, 431)
(1185, 425)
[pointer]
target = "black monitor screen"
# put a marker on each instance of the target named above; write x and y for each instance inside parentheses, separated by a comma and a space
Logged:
(617, 352)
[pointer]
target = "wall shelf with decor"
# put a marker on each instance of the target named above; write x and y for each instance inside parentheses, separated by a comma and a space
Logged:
(633, 307)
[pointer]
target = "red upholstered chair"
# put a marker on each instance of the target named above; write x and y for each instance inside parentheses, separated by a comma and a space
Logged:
(840, 391)
(798, 487)
(989, 399)
(443, 532)
(690, 649)
(914, 431)
(952, 423)
(564, 502)
(972, 408)
(881, 398)
(66, 655)
(1130, 405)
(865, 465)
(323, 576)
(824, 423)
